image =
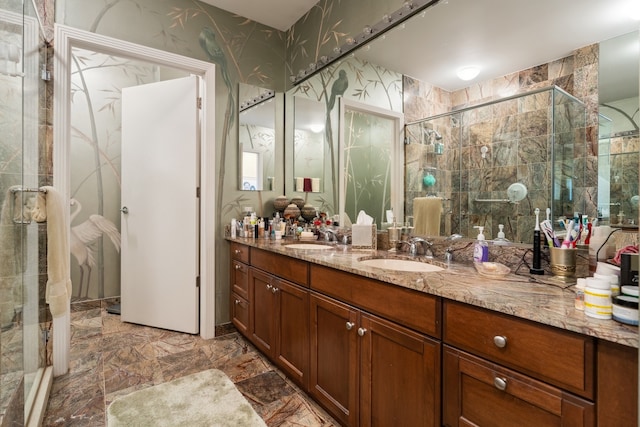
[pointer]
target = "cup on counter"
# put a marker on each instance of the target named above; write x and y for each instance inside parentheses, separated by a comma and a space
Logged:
(563, 261)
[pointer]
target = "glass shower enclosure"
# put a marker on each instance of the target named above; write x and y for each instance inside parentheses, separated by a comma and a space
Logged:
(22, 348)
(492, 164)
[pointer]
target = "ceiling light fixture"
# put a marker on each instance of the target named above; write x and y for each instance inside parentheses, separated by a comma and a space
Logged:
(468, 73)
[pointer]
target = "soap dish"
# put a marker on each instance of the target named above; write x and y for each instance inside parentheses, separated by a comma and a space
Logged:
(492, 269)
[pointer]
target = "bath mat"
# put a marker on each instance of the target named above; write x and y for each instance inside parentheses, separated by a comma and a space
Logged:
(207, 398)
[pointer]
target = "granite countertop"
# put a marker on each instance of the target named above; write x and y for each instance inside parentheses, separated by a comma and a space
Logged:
(536, 298)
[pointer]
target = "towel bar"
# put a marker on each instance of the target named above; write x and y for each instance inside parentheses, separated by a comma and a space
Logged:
(21, 218)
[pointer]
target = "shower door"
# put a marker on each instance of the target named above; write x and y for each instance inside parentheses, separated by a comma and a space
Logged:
(21, 345)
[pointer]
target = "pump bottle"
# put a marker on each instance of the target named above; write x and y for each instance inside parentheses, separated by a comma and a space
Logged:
(481, 248)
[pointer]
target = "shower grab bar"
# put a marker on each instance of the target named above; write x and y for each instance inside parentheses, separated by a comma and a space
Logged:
(14, 191)
(495, 201)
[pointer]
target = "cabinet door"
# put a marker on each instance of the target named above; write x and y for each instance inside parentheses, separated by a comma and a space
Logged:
(262, 317)
(399, 375)
(333, 364)
(240, 314)
(292, 331)
(240, 279)
(479, 393)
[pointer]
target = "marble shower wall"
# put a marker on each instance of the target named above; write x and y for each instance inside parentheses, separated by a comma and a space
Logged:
(516, 134)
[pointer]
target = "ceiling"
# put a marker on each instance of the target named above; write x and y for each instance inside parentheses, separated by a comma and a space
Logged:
(499, 36)
(279, 14)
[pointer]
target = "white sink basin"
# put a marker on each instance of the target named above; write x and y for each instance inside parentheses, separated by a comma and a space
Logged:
(400, 265)
(308, 246)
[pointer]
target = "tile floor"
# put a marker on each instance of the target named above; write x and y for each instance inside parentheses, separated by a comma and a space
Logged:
(110, 359)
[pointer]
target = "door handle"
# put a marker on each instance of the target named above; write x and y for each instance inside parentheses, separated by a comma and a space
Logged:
(350, 325)
(124, 210)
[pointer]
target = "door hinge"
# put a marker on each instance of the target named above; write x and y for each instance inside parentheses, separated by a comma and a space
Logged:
(199, 103)
(197, 191)
(197, 281)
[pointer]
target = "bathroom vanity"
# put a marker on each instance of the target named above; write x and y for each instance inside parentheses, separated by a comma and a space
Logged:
(377, 346)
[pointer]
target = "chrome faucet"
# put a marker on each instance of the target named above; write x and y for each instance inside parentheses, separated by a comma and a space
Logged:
(413, 246)
(329, 235)
(448, 253)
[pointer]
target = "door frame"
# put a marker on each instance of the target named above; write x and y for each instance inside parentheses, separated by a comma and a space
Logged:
(67, 38)
(397, 156)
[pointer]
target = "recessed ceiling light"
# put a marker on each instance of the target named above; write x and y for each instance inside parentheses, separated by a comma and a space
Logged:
(468, 73)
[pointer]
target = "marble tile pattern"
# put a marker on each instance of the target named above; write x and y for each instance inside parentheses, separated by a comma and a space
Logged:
(517, 134)
(542, 299)
(110, 358)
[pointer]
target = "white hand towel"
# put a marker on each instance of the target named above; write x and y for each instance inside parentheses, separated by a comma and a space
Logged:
(50, 207)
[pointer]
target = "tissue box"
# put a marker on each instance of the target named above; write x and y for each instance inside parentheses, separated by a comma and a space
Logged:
(364, 237)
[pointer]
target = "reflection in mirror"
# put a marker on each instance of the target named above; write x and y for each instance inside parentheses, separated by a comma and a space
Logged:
(430, 87)
(619, 141)
(371, 159)
(309, 145)
(256, 138)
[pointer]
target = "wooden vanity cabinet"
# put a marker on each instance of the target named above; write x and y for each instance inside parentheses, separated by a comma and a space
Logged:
(366, 370)
(503, 371)
(617, 395)
(240, 287)
(480, 393)
(278, 323)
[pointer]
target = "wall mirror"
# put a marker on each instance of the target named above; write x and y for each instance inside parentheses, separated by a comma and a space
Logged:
(618, 146)
(256, 138)
(429, 62)
(309, 145)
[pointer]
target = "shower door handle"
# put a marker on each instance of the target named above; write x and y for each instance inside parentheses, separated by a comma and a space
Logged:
(124, 210)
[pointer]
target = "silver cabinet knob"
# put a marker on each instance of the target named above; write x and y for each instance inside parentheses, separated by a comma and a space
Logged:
(362, 331)
(350, 325)
(500, 383)
(237, 301)
(237, 267)
(274, 289)
(124, 210)
(269, 286)
(237, 251)
(500, 341)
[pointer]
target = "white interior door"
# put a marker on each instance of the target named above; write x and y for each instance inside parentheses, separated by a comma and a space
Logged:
(160, 224)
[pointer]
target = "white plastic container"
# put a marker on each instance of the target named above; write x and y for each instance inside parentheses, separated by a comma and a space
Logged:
(625, 310)
(596, 283)
(597, 302)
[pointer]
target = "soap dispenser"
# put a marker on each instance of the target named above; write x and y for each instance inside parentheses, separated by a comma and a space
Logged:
(481, 248)
(501, 238)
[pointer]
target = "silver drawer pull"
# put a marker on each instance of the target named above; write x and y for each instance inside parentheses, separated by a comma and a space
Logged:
(268, 286)
(237, 301)
(274, 289)
(500, 383)
(362, 331)
(238, 267)
(350, 325)
(500, 341)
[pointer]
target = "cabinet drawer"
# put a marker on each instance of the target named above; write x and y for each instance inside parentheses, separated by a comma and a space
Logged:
(413, 309)
(481, 393)
(291, 269)
(240, 313)
(240, 279)
(240, 252)
(559, 357)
